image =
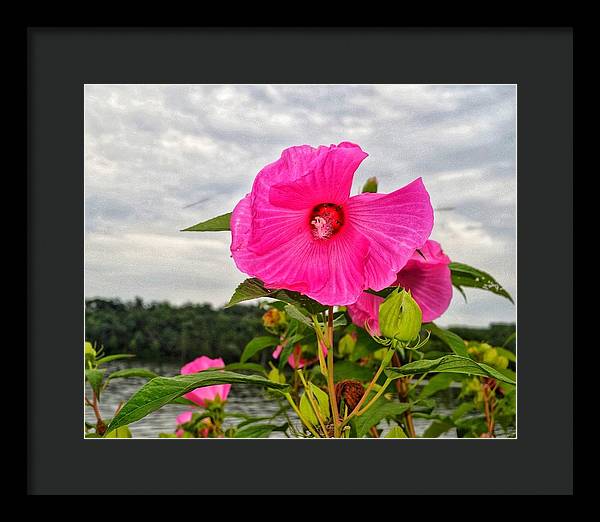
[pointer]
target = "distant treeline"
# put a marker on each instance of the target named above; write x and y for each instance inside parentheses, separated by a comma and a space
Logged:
(160, 330)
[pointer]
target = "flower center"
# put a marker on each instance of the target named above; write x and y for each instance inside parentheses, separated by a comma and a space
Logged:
(326, 220)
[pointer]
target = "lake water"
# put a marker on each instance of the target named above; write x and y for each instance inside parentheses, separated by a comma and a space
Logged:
(249, 400)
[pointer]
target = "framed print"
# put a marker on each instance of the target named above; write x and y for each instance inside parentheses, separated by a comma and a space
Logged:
(324, 265)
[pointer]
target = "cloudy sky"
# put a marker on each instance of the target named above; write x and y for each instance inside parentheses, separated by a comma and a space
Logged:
(159, 158)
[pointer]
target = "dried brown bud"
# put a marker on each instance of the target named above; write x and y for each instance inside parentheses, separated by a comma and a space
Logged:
(351, 391)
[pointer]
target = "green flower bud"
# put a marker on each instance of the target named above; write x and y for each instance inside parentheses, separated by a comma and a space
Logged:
(276, 376)
(501, 362)
(490, 356)
(400, 316)
(90, 355)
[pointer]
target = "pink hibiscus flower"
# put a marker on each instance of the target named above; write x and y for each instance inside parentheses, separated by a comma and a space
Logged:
(299, 229)
(429, 281)
(207, 393)
(295, 360)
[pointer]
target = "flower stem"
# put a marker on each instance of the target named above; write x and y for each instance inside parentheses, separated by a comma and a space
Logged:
(311, 400)
(330, 382)
(384, 363)
(377, 395)
(402, 388)
(300, 416)
(320, 344)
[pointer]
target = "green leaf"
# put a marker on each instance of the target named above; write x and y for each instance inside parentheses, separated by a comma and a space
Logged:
(375, 414)
(465, 275)
(258, 431)
(322, 402)
(256, 345)
(510, 338)
(163, 390)
(95, 377)
(448, 364)
(183, 401)
(462, 410)
(285, 355)
(115, 357)
(295, 313)
(252, 367)
(365, 345)
(396, 433)
(120, 433)
(506, 353)
(437, 428)
(455, 342)
(343, 370)
(438, 382)
(132, 372)
(382, 293)
(370, 185)
(253, 289)
(216, 224)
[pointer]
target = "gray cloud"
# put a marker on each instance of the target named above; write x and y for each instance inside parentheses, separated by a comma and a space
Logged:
(151, 151)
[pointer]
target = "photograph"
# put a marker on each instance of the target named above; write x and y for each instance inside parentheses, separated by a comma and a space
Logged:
(300, 261)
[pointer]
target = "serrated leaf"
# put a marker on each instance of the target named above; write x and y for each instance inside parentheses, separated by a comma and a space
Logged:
(163, 390)
(253, 288)
(216, 224)
(256, 345)
(448, 364)
(466, 276)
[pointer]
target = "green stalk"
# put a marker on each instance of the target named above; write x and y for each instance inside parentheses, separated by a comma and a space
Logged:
(330, 382)
(383, 364)
(304, 421)
(311, 400)
(377, 395)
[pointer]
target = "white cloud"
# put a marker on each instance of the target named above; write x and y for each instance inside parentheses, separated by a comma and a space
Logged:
(159, 158)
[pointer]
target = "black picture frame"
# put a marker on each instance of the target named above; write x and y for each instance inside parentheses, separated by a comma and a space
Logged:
(62, 60)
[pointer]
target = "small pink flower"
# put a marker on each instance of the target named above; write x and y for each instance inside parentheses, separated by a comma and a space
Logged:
(299, 229)
(207, 393)
(184, 417)
(295, 360)
(179, 433)
(429, 281)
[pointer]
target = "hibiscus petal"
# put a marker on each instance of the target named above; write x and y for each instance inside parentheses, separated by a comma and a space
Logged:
(347, 253)
(298, 263)
(328, 180)
(396, 224)
(365, 312)
(240, 224)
